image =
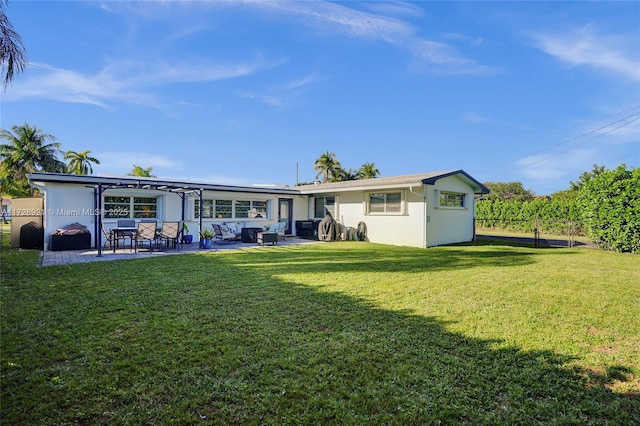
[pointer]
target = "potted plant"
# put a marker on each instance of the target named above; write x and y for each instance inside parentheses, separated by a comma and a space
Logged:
(206, 237)
(186, 237)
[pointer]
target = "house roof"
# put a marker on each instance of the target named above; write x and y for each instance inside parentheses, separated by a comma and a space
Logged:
(392, 182)
(40, 178)
(169, 185)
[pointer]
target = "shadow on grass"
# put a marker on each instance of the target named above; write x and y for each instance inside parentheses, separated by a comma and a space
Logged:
(228, 344)
(380, 258)
(530, 242)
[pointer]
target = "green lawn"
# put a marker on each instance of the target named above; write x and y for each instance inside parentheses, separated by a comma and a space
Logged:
(334, 333)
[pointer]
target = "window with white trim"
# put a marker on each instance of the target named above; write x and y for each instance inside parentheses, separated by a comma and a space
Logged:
(324, 205)
(451, 199)
(245, 209)
(207, 209)
(118, 207)
(231, 209)
(384, 203)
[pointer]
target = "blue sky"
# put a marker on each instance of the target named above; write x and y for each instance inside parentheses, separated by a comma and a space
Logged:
(253, 92)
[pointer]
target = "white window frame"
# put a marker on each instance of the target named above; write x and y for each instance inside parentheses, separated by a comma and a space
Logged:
(129, 207)
(440, 194)
(211, 211)
(385, 206)
(334, 213)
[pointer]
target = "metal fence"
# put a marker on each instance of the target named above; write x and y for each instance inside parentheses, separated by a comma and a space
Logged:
(534, 232)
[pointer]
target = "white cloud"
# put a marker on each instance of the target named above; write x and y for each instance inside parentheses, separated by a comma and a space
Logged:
(441, 58)
(267, 99)
(123, 81)
(302, 82)
(396, 8)
(131, 80)
(584, 47)
(429, 56)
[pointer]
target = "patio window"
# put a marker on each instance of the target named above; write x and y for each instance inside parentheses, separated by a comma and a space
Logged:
(117, 207)
(224, 209)
(250, 209)
(207, 209)
(451, 199)
(384, 203)
(231, 209)
(324, 205)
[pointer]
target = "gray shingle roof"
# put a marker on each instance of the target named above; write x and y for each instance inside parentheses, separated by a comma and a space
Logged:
(391, 182)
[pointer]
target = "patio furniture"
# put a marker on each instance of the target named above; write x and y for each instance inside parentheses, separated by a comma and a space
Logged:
(221, 235)
(146, 232)
(71, 237)
(170, 233)
(267, 237)
(123, 233)
(108, 237)
(114, 236)
(250, 235)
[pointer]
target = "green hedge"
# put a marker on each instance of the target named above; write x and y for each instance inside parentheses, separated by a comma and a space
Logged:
(553, 216)
(606, 208)
(610, 205)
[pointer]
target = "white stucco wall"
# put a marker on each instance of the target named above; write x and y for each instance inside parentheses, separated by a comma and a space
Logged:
(423, 222)
(64, 205)
(405, 229)
(447, 225)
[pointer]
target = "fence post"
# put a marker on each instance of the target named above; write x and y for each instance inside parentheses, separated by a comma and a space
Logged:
(570, 229)
(536, 233)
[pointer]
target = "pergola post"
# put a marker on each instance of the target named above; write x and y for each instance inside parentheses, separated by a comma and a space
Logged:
(200, 217)
(98, 213)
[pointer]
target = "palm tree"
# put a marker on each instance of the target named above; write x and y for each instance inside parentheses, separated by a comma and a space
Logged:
(327, 165)
(80, 162)
(13, 56)
(341, 175)
(368, 171)
(27, 152)
(139, 171)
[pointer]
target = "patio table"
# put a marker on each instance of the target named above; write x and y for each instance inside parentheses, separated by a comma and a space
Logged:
(250, 235)
(120, 232)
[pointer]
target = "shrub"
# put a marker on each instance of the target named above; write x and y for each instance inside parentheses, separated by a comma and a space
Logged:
(611, 209)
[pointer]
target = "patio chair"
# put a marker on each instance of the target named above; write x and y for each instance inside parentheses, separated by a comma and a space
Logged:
(278, 228)
(113, 239)
(170, 233)
(146, 232)
(108, 238)
(221, 235)
(126, 223)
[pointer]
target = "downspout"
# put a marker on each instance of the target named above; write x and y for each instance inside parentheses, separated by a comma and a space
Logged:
(424, 216)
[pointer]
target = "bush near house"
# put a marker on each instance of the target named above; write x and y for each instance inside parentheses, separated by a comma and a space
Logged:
(610, 205)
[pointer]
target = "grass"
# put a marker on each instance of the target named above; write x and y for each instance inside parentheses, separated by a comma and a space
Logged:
(336, 333)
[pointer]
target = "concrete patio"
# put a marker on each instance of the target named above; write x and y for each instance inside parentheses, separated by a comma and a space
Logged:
(51, 258)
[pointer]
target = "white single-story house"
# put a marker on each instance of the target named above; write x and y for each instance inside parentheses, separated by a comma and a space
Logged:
(420, 210)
